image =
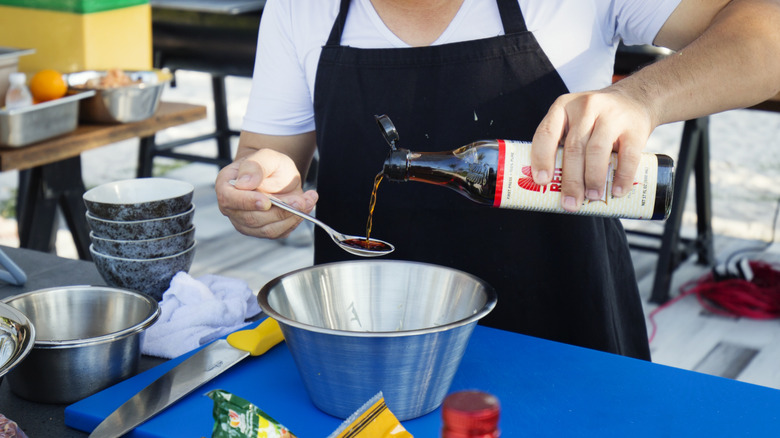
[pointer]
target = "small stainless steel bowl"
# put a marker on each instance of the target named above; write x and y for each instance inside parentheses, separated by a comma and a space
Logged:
(129, 103)
(356, 328)
(17, 335)
(87, 339)
(139, 199)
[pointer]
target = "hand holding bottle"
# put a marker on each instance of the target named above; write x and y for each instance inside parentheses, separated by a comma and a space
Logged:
(500, 173)
(591, 126)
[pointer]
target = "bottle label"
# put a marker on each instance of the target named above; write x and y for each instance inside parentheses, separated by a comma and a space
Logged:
(515, 187)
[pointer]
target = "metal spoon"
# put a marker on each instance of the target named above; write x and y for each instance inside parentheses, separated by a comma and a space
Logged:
(352, 244)
(356, 245)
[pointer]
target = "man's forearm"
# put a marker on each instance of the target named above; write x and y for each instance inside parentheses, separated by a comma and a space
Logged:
(733, 64)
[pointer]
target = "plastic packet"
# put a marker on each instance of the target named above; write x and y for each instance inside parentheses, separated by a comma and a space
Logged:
(9, 429)
(372, 420)
(235, 417)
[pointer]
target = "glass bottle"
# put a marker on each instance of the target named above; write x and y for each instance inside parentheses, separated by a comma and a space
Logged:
(470, 414)
(18, 95)
(498, 173)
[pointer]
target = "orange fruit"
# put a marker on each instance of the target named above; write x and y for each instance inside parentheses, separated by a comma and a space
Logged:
(47, 85)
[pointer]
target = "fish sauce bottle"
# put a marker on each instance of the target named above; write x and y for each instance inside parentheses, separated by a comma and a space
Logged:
(470, 414)
(498, 173)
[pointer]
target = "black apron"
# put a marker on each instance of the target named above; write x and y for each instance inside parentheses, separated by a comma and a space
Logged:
(560, 277)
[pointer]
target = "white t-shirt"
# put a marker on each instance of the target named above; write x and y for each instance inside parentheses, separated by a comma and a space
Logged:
(579, 36)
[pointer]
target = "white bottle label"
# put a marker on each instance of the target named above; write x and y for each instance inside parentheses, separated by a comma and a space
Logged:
(515, 187)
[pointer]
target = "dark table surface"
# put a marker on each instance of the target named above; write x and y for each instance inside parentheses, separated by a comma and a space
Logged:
(44, 271)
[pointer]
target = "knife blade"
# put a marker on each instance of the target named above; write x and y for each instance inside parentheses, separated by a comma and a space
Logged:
(187, 376)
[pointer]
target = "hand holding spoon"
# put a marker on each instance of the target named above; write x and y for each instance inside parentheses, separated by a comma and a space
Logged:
(356, 245)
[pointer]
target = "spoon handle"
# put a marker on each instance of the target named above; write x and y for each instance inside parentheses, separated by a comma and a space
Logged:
(285, 206)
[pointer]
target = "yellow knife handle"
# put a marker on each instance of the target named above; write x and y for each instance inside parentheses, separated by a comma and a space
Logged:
(259, 339)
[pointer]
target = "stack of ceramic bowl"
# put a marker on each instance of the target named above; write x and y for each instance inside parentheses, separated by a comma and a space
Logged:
(142, 232)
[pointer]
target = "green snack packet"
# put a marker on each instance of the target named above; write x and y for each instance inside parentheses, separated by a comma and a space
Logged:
(235, 417)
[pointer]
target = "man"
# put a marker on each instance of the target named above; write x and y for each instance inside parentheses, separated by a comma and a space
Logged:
(449, 72)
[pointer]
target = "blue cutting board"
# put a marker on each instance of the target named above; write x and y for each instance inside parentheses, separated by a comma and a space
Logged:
(545, 389)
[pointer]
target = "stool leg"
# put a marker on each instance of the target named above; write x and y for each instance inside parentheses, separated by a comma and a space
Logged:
(224, 154)
(669, 255)
(706, 253)
(146, 152)
(36, 211)
(68, 178)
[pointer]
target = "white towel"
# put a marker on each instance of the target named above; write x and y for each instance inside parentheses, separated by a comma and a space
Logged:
(194, 312)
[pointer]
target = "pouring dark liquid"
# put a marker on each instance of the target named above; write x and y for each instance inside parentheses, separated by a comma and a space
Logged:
(367, 243)
(372, 205)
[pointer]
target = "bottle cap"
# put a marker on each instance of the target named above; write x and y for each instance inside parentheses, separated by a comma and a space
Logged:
(17, 78)
(472, 413)
(388, 130)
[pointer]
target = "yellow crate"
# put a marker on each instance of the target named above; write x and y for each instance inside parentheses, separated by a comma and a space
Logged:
(69, 42)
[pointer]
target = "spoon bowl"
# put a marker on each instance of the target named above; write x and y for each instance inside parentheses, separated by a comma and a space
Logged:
(359, 246)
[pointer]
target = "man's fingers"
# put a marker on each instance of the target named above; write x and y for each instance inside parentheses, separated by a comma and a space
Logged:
(629, 155)
(597, 159)
(279, 173)
(575, 154)
(249, 176)
(545, 143)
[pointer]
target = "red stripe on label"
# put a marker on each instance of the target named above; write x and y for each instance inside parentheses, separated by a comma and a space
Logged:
(500, 174)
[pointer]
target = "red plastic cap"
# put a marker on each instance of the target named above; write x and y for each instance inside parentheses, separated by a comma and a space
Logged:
(470, 414)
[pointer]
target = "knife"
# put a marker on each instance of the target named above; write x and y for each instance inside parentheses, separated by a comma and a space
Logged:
(184, 378)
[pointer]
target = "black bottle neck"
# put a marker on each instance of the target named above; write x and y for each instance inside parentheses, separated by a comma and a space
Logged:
(396, 167)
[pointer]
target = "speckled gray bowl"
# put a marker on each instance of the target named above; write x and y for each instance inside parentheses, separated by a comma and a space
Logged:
(149, 276)
(146, 248)
(141, 229)
(138, 199)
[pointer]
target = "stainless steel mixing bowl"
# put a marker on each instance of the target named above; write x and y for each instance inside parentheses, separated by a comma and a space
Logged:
(87, 339)
(355, 328)
(123, 104)
(17, 335)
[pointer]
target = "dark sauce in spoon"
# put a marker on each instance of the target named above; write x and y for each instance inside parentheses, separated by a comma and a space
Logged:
(367, 244)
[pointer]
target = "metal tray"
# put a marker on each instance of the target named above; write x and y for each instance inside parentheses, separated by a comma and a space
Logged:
(11, 54)
(24, 126)
(9, 62)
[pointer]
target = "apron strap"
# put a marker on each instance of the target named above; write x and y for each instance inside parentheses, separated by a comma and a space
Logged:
(511, 17)
(334, 39)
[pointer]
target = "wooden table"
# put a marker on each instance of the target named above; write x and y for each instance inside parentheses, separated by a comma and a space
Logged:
(50, 173)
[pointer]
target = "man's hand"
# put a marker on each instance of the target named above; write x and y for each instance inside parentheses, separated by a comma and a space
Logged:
(590, 126)
(724, 60)
(242, 188)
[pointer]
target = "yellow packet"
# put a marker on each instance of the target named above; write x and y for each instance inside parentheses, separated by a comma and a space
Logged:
(372, 420)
